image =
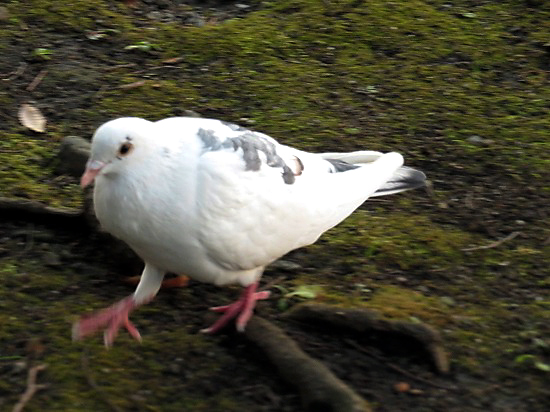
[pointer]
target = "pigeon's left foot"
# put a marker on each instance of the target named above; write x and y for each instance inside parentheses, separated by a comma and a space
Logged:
(241, 309)
(111, 318)
(179, 281)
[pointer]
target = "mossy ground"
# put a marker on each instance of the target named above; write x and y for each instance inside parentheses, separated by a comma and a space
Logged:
(460, 89)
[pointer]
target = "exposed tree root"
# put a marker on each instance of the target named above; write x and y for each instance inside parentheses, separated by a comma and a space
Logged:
(319, 388)
(365, 320)
(12, 207)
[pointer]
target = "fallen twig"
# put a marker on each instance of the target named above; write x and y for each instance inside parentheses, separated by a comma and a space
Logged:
(494, 244)
(120, 66)
(16, 73)
(397, 368)
(133, 85)
(32, 387)
(36, 81)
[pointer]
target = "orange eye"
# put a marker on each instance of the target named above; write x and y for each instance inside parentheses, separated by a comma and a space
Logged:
(125, 149)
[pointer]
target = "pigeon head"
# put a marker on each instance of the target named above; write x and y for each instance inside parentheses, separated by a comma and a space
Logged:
(116, 145)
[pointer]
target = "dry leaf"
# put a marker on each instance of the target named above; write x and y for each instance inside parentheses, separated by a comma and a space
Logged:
(30, 117)
(173, 60)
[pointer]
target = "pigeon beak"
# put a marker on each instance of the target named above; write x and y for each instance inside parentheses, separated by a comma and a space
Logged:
(93, 167)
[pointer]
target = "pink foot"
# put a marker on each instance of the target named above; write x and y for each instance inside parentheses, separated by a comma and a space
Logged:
(111, 318)
(241, 309)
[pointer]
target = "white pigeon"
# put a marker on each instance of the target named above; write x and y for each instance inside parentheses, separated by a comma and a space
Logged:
(218, 203)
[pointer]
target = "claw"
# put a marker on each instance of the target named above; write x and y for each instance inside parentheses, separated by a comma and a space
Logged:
(111, 318)
(242, 309)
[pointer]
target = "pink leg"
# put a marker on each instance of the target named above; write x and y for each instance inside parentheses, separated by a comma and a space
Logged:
(242, 309)
(111, 318)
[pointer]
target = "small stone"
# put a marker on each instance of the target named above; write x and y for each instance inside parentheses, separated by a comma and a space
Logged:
(195, 19)
(286, 265)
(448, 301)
(73, 155)
(475, 139)
(191, 113)
(478, 140)
(4, 13)
(242, 6)
(154, 15)
(19, 366)
(175, 368)
(416, 392)
(140, 399)
(423, 289)
(52, 259)
(247, 120)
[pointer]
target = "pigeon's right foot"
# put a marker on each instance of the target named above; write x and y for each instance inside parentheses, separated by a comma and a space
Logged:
(111, 318)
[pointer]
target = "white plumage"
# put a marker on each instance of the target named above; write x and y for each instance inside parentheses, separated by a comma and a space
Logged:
(218, 202)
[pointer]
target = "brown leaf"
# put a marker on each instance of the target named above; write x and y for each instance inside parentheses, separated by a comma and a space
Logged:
(31, 118)
(173, 60)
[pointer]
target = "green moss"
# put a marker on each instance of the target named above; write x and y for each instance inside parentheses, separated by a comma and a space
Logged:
(157, 99)
(398, 302)
(399, 241)
(26, 170)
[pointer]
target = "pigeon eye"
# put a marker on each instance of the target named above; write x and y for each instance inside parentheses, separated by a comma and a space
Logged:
(125, 149)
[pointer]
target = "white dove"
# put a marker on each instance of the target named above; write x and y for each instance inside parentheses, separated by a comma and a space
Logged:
(218, 203)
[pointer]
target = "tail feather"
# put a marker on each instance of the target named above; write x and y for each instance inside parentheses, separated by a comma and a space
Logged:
(405, 178)
(359, 157)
